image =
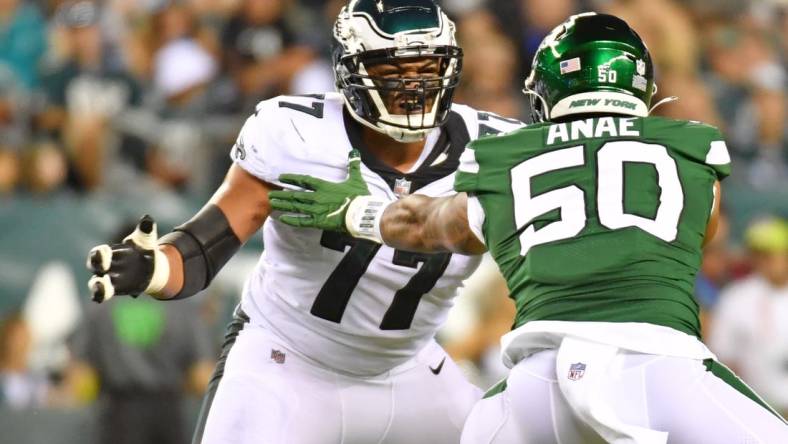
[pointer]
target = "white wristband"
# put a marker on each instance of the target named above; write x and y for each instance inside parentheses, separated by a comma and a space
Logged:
(161, 273)
(161, 265)
(363, 215)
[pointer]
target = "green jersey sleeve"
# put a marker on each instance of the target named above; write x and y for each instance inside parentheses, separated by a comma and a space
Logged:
(494, 156)
(695, 141)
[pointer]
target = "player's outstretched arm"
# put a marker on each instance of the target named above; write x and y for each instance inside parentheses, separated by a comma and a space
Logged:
(415, 223)
(184, 261)
(425, 224)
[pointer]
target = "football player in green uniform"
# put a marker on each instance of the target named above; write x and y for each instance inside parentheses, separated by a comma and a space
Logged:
(596, 216)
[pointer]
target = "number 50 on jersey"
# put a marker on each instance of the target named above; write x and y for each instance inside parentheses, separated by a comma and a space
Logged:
(556, 180)
(570, 200)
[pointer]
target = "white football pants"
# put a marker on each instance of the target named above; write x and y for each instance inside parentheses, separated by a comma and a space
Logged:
(270, 395)
(665, 399)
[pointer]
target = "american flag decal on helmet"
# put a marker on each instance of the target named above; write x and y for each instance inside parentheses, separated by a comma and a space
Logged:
(570, 65)
(576, 371)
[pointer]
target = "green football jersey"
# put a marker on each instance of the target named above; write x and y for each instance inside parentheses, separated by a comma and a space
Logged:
(599, 219)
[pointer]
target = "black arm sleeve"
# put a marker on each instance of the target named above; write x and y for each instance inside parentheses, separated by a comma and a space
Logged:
(206, 243)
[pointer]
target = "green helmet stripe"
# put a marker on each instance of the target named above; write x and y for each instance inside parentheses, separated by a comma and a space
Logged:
(394, 16)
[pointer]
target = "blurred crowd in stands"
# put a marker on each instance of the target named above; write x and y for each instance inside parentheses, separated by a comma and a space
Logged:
(145, 98)
(104, 95)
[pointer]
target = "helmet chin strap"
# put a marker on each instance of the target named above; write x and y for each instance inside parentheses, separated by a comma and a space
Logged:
(546, 109)
(403, 135)
(398, 134)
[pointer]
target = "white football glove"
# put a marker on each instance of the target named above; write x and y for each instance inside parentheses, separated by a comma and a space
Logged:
(130, 268)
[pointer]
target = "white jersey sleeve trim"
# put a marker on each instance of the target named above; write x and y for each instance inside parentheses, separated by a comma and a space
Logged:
(468, 162)
(476, 217)
(718, 153)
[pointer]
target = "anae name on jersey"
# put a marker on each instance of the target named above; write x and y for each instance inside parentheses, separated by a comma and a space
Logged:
(591, 128)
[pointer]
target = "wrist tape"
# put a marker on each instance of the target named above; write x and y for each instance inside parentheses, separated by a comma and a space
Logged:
(363, 216)
(161, 273)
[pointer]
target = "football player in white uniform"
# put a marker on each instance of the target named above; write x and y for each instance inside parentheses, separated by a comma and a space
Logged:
(333, 341)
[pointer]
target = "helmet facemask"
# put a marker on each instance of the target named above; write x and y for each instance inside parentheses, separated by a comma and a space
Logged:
(414, 104)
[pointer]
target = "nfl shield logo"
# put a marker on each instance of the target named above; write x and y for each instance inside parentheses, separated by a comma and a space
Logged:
(277, 356)
(576, 371)
(402, 187)
(640, 66)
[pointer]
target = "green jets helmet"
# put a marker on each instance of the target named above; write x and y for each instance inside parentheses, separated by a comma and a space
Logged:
(370, 32)
(591, 64)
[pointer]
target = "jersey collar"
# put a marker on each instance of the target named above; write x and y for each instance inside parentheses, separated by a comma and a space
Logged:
(451, 143)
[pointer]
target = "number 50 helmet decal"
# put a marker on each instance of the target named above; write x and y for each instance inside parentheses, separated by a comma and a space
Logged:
(370, 32)
(592, 63)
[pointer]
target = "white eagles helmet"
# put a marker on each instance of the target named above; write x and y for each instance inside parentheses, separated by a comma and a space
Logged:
(369, 32)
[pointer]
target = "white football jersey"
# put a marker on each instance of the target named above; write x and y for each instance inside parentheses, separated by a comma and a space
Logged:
(352, 305)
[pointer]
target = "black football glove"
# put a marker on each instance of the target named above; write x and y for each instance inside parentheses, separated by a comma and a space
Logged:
(133, 267)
